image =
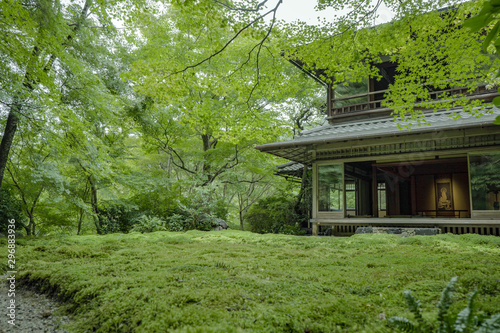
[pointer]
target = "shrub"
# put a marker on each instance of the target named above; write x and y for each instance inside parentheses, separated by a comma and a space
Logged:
(10, 208)
(199, 216)
(220, 209)
(149, 224)
(157, 202)
(465, 321)
(273, 215)
(201, 210)
(117, 218)
(177, 222)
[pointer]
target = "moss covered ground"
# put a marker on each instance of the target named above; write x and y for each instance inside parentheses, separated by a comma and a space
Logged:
(233, 281)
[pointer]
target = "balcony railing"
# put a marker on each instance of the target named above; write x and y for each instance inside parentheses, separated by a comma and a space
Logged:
(376, 105)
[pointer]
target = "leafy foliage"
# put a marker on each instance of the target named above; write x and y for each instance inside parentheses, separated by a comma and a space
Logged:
(431, 48)
(273, 215)
(207, 118)
(177, 222)
(201, 209)
(10, 208)
(465, 321)
(487, 16)
(147, 223)
(119, 218)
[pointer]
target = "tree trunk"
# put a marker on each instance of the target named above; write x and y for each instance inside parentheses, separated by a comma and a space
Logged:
(30, 227)
(27, 228)
(32, 223)
(302, 204)
(80, 222)
(8, 138)
(303, 185)
(243, 212)
(242, 226)
(206, 147)
(82, 211)
(95, 209)
(244, 205)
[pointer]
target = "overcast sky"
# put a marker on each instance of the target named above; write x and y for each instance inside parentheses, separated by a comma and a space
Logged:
(292, 10)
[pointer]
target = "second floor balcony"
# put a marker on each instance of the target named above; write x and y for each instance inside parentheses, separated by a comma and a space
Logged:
(371, 103)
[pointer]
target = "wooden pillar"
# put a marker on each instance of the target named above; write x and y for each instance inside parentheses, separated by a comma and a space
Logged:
(392, 190)
(413, 196)
(315, 229)
(397, 199)
(314, 191)
(374, 192)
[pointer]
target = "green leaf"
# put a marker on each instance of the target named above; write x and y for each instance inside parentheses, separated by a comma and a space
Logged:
(443, 316)
(491, 36)
(497, 120)
(414, 307)
(403, 324)
(490, 325)
(496, 101)
(477, 22)
(465, 319)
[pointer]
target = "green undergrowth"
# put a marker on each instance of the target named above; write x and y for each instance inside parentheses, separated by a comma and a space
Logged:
(234, 281)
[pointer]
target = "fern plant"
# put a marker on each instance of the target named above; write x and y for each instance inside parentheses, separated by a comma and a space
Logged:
(148, 223)
(464, 322)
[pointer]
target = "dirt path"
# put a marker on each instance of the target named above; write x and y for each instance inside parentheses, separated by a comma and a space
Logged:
(33, 312)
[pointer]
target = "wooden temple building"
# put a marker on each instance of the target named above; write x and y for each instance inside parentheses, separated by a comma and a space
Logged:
(367, 172)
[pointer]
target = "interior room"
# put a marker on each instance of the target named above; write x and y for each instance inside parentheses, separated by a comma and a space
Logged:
(426, 188)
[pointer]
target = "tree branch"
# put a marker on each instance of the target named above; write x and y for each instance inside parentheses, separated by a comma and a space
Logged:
(83, 15)
(374, 10)
(230, 41)
(182, 166)
(16, 185)
(223, 168)
(240, 9)
(260, 48)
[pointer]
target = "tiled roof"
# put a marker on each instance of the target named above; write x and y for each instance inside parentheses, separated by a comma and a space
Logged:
(289, 167)
(441, 120)
(291, 170)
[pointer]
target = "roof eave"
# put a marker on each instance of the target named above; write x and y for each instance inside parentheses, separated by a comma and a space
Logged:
(320, 141)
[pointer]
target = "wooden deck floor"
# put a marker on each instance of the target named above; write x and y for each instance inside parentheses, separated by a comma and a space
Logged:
(347, 226)
(407, 221)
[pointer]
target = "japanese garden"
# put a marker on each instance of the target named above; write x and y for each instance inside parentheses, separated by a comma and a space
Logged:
(209, 166)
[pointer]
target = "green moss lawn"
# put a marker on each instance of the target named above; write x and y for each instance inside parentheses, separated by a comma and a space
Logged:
(232, 281)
